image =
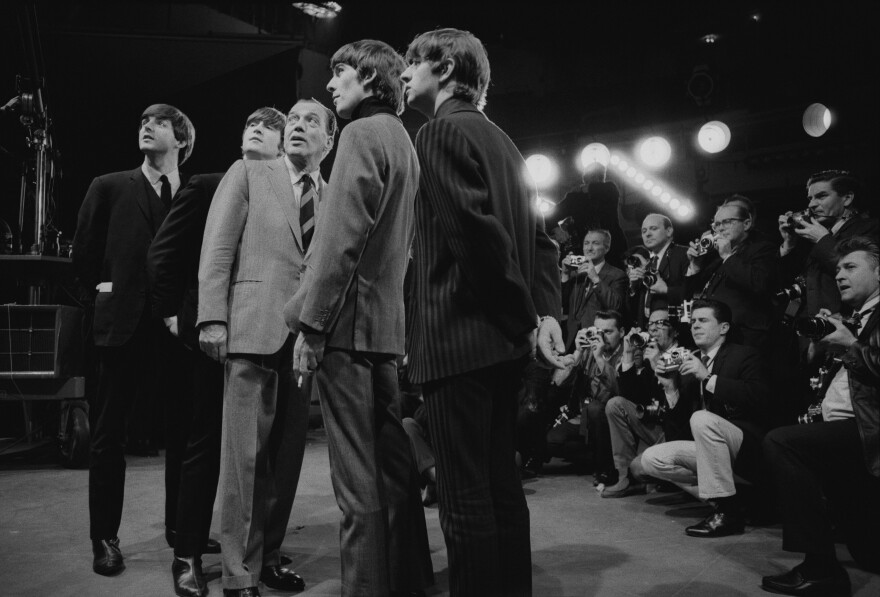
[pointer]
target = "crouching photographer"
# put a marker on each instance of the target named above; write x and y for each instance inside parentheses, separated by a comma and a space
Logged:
(836, 460)
(642, 413)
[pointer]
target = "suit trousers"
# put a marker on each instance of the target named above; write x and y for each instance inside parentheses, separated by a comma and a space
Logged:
(126, 373)
(265, 421)
(809, 463)
(383, 540)
(420, 442)
(706, 462)
(483, 511)
(627, 429)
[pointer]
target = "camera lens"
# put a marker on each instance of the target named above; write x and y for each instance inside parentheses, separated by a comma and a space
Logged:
(813, 327)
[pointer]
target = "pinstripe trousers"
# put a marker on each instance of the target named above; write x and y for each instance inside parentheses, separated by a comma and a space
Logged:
(483, 511)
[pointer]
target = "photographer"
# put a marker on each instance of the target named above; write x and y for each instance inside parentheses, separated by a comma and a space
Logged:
(808, 238)
(584, 388)
(660, 281)
(725, 384)
(589, 284)
(838, 458)
(641, 412)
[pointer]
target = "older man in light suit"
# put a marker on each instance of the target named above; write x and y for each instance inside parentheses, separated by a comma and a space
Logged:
(259, 228)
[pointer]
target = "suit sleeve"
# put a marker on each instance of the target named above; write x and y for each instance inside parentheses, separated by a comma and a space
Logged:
(612, 290)
(167, 259)
(90, 239)
(746, 389)
(349, 209)
(754, 271)
(482, 247)
(546, 286)
(223, 229)
(637, 386)
(678, 265)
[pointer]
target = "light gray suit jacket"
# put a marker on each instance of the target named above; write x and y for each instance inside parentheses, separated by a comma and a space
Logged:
(252, 255)
(353, 286)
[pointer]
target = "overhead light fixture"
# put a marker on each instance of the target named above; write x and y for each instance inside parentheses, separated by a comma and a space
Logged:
(319, 10)
(817, 120)
(714, 136)
(595, 153)
(542, 170)
(681, 208)
(710, 38)
(654, 152)
(545, 206)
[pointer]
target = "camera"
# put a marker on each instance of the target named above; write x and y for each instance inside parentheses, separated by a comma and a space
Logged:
(682, 312)
(639, 339)
(705, 242)
(794, 292)
(673, 359)
(576, 260)
(813, 414)
(562, 417)
(816, 328)
(649, 279)
(652, 412)
(798, 217)
(592, 333)
(635, 260)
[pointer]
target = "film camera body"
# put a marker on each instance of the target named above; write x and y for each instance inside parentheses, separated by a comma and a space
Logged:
(681, 313)
(576, 260)
(816, 328)
(652, 412)
(639, 339)
(794, 292)
(649, 278)
(705, 242)
(798, 217)
(671, 360)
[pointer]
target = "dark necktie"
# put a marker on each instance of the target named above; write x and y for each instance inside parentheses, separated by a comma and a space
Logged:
(307, 210)
(704, 358)
(165, 195)
(651, 267)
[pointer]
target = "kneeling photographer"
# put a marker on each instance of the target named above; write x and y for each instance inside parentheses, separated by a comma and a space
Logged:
(835, 460)
(642, 412)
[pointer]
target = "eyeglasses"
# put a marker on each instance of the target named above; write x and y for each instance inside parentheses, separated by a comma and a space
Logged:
(724, 224)
(659, 323)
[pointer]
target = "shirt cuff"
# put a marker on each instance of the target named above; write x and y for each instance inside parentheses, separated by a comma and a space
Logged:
(710, 383)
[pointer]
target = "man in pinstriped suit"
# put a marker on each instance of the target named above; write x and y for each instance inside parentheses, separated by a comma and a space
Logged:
(484, 272)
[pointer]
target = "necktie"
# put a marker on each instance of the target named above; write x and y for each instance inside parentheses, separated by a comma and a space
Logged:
(307, 210)
(651, 267)
(165, 195)
(704, 358)
(862, 318)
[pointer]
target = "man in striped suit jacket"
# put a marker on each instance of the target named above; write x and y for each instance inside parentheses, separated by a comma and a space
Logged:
(484, 271)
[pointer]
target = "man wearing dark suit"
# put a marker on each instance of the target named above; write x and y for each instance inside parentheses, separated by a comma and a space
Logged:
(727, 388)
(196, 403)
(350, 314)
(668, 261)
(837, 458)
(593, 286)
(259, 226)
(808, 247)
(484, 269)
(741, 271)
(116, 223)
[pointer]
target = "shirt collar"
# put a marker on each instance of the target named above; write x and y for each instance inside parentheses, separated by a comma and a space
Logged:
(371, 105)
(153, 175)
(870, 304)
(662, 251)
(296, 175)
(599, 266)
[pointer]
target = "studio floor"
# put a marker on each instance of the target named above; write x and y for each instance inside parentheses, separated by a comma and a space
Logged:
(582, 545)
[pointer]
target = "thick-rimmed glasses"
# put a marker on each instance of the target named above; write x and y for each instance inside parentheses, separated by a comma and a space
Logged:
(659, 323)
(726, 223)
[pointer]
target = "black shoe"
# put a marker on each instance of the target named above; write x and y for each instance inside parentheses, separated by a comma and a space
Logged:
(281, 579)
(245, 592)
(532, 468)
(719, 524)
(285, 560)
(605, 479)
(108, 557)
(188, 578)
(794, 583)
(211, 545)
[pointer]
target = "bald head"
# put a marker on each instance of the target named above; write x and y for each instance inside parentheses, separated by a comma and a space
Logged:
(656, 231)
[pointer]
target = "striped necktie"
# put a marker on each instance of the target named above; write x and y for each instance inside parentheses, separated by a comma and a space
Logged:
(307, 210)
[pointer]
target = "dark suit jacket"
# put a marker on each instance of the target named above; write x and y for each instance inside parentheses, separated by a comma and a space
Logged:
(484, 267)
(673, 269)
(173, 258)
(640, 387)
(746, 283)
(116, 223)
(609, 293)
(818, 264)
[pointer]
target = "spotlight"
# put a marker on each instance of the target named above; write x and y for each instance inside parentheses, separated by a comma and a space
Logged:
(640, 178)
(711, 38)
(319, 10)
(674, 203)
(817, 120)
(648, 185)
(654, 151)
(595, 153)
(630, 172)
(623, 165)
(714, 136)
(657, 190)
(544, 206)
(542, 170)
(685, 210)
(615, 159)
(665, 197)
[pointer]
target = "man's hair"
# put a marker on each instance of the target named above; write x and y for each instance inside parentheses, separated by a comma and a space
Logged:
(610, 314)
(859, 243)
(667, 223)
(369, 56)
(328, 113)
(467, 54)
(720, 310)
(841, 181)
(742, 202)
(603, 232)
(271, 118)
(181, 125)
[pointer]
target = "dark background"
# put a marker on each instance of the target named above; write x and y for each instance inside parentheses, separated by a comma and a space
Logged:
(564, 74)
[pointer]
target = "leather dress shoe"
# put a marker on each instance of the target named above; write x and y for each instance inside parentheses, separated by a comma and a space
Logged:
(245, 592)
(794, 583)
(211, 545)
(188, 578)
(281, 579)
(605, 478)
(719, 524)
(623, 488)
(108, 557)
(285, 560)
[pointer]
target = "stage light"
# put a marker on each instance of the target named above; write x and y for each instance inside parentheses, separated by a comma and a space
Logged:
(542, 169)
(615, 159)
(710, 38)
(648, 185)
(714, 136)
(657, 190)
(319, 10)
(817, 120)
(545, 206)
(630, 172)
(654, 152)
(674, 203)
(595, 153)
(640, 178)
(622, 165)
(685, 210)
(665, 197)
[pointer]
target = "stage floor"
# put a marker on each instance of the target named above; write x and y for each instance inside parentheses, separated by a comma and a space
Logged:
(582, 545)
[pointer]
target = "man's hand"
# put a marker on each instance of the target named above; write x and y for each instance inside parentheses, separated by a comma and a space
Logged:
(635, 274)
(695, 255)
(171, 324)
(212, 341)
(659, 287)
(692, 365)
(813, 231)
(788, 236)
(589, 269)
(549, 342)
(841, 336)
(308, 352)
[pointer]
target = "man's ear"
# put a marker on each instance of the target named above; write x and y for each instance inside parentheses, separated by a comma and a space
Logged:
(367, 80)
(848, 199)
(447, 69)
(724, 327)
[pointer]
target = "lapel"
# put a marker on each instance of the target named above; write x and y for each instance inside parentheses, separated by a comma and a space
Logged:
(718, 362)
(279, 178)
(587, 290)
(139, 188)
(319, 193)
